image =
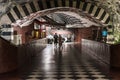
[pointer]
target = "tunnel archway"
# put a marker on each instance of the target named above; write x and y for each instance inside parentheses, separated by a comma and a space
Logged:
(19, 11)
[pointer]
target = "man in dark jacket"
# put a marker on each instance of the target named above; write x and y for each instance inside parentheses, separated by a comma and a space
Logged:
(55, 39)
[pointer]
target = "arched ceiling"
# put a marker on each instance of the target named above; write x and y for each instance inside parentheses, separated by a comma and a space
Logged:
(62, 17)
(72, 20)
(99, 11)
(12, 10)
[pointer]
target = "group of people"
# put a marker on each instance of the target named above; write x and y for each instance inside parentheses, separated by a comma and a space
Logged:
(58, 40)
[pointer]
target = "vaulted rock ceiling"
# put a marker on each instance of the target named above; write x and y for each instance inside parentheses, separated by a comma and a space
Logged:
(110, 9)
(5, 5)
(110, 6)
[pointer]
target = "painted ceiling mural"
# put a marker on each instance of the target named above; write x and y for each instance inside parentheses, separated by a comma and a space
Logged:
(111, 6)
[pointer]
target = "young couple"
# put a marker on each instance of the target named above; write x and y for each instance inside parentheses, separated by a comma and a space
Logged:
(58, 39)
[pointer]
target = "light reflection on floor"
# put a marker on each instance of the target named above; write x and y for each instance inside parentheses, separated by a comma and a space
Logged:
(64, 64)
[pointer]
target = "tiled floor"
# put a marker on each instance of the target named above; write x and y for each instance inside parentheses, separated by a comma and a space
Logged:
(63, 64)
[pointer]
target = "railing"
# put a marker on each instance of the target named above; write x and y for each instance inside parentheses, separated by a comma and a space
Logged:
(8, 56)
(14, 57)
(28, 51)
(106, 53)
(99, 51)
(115, 56)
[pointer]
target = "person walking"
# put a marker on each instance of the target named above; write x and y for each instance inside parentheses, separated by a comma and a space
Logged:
(55, 39)
(60, 39)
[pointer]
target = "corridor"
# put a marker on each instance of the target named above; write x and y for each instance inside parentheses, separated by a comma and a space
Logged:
(27, 29)
(67, 63)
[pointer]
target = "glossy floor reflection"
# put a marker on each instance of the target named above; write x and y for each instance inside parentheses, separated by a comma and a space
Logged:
(66, 63)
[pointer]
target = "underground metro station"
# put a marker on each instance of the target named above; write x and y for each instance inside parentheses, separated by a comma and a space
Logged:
(87, 45)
